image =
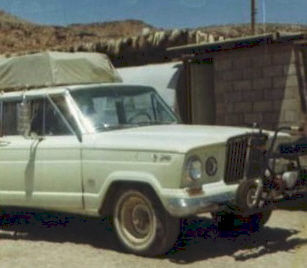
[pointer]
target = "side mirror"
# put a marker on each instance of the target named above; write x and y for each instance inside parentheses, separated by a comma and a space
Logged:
(24, 118)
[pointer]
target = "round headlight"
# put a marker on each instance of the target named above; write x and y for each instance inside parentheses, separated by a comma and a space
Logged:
(211, 166)
(194, 168)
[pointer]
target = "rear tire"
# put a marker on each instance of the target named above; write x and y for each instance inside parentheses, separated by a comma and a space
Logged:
(246, 198)
(142, 225)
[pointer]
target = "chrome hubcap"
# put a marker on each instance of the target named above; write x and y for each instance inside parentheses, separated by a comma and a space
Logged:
(251, 198)
(136, 219)
(141, 219)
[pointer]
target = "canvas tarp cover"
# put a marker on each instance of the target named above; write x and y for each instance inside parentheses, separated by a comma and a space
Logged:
(55, 68)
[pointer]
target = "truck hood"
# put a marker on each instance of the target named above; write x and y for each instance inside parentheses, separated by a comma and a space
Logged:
(167, 138)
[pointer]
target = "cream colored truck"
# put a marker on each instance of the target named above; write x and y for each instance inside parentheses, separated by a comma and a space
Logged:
(114, 149)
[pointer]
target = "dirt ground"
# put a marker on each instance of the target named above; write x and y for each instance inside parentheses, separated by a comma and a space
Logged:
(43, 240)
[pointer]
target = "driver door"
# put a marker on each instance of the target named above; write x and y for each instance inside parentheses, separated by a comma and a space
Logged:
(57, 180)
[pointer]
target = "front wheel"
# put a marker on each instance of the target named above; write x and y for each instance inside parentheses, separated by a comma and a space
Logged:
(141, 223)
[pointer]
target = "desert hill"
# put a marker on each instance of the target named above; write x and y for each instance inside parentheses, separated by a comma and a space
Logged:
(131, 39)
(18, 35)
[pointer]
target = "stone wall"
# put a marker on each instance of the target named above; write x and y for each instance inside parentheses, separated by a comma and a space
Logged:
(258, 85)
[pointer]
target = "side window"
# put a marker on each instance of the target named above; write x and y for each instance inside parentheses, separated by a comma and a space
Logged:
(54, 123)
(61, 104)
(9, 118)
(46, 120)
(37, 116)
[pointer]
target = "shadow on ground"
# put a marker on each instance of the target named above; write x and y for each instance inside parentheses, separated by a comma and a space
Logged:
(297, 202)
(199, 240)
(57, 227)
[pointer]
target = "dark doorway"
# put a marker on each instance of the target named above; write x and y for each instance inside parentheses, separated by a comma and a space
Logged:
(201, 85)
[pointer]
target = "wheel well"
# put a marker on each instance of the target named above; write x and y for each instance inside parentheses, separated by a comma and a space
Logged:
(107, 204)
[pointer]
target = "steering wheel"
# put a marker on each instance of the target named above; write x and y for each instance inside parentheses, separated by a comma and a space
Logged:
(139, 114)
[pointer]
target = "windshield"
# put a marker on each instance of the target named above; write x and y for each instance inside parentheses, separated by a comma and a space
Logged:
(106, 108)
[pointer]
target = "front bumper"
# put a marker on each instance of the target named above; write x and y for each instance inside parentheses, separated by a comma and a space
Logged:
(214, 197)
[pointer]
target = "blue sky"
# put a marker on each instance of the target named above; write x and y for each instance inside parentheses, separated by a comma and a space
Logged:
(160, 13)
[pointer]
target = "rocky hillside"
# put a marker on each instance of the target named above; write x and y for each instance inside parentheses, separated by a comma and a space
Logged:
(18, 35)
(121, 40)
(10, 19)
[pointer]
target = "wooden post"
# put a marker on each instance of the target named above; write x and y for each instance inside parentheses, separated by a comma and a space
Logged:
(253, 16)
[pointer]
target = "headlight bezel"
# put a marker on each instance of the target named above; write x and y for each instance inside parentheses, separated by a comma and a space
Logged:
(194, 168)
(211, 166)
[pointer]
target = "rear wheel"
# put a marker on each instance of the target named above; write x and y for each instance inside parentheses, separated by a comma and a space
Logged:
(247, 197)
(141, 223)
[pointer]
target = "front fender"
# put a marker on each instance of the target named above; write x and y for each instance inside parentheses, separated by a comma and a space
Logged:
(130, 176)
(95, 202)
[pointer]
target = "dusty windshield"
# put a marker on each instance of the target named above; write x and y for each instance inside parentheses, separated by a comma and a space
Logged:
(108, 108)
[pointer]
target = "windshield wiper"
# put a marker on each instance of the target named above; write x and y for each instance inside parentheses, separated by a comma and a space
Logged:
(144, 123)
(112, 127)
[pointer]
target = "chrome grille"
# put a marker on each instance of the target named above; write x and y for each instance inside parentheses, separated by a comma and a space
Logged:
(243, 159)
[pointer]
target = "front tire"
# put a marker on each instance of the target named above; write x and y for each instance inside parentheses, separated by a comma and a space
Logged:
(142, 225)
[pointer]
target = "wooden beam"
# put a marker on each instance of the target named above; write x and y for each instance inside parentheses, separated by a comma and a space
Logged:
(301, 67)
(253, 16)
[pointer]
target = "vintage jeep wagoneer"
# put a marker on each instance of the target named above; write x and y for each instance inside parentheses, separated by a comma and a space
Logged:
(118, 150)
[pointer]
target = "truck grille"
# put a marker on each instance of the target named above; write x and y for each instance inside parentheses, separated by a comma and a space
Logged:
(243, 157)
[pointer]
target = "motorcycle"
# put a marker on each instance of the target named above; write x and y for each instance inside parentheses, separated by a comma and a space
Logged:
(280, 176)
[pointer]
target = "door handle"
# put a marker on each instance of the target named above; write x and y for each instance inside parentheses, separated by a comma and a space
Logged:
(4, 143)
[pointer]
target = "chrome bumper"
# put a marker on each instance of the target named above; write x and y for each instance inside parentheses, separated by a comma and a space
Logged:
(183, 206)
(188, 206)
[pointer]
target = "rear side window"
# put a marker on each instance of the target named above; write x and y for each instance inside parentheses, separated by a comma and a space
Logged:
(45, 120)
(9, 118)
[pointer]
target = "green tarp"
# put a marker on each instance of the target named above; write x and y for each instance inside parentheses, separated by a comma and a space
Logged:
(55, 68)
